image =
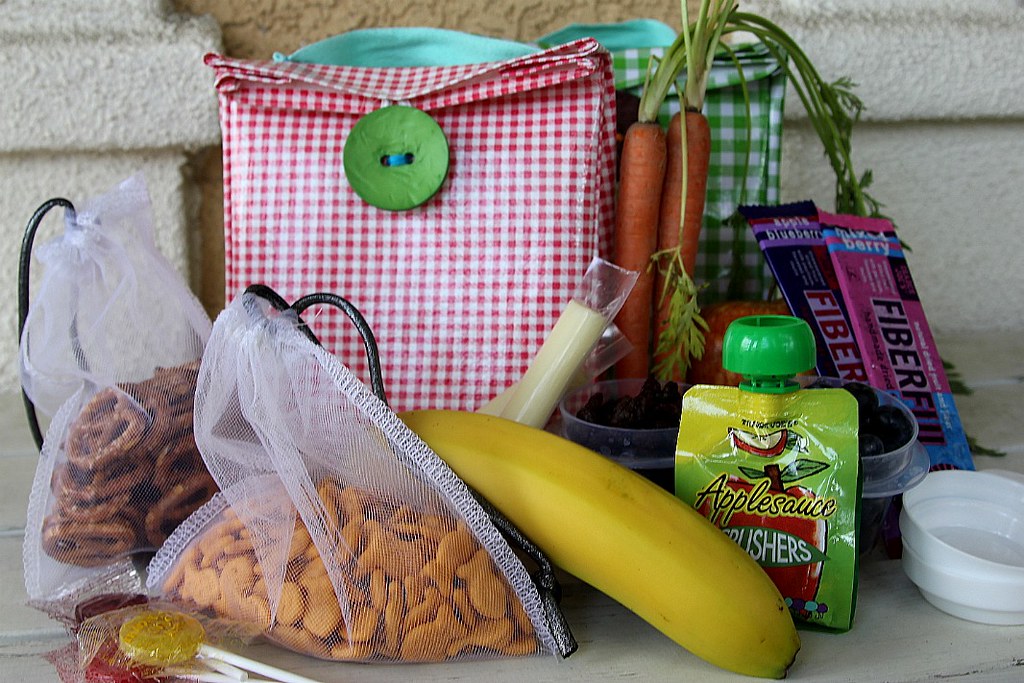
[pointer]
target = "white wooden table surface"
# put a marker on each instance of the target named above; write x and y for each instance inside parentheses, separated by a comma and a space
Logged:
(897, 635)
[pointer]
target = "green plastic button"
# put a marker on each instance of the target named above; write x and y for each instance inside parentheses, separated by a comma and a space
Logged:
(768, 350)
(396, 158)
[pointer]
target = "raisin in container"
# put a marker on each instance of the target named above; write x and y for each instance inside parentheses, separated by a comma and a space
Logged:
(650, 451)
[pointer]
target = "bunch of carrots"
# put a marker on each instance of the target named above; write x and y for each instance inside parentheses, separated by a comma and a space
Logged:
(663, 180)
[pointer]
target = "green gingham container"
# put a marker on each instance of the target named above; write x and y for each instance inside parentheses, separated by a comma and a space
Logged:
(729, 262)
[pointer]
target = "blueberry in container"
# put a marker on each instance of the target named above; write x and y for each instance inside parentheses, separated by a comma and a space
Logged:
(892, 460)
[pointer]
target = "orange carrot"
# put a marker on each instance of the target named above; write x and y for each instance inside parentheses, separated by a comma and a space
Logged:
(698, 153)
(679, 227)
(641, 173)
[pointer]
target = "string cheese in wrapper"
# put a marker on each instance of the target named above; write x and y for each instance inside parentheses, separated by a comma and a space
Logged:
(579, 328)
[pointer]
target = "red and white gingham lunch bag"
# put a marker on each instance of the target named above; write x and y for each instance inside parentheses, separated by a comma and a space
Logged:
(462, 288)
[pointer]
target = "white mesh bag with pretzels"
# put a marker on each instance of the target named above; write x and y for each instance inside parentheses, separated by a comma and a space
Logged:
(337, 531)
(110, 351)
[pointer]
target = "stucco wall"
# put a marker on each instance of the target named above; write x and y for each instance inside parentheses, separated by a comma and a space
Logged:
(257, 28)
(95, 91)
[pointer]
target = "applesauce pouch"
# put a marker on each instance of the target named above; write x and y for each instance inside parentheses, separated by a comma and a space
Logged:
(776, 467)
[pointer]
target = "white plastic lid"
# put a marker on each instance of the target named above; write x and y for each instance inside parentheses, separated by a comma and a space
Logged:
(972, 521)
(963, 543)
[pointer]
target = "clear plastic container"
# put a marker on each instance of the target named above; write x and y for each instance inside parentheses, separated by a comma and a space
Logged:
(878, 494)
(885, 475)
(650, 452)
(880, 470)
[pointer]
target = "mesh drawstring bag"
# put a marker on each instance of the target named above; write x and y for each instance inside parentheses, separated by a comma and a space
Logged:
(337, 530)
(110, 350)
(108, 307)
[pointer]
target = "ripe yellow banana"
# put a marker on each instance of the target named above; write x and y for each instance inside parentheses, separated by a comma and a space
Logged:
(623, 535)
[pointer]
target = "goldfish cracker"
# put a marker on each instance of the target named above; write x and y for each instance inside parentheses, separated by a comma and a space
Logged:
(417, 587)
(413, 587)
(290, 607)
(322, 618)
(486, 592)
(365, 623)
(422, 611)
(464, 606)
(301, 542)
(394, 614)
(379, 588)
(202, 586)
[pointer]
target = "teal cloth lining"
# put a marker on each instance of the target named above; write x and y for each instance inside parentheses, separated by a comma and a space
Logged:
(406, 47)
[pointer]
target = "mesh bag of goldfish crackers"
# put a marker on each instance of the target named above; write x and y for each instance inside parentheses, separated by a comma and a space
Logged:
(337, 532)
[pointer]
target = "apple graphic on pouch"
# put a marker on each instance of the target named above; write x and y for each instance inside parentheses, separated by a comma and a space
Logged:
(790, 548)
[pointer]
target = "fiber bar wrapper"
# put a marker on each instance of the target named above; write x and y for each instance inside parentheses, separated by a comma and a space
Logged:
(899, 351)
(791, 239)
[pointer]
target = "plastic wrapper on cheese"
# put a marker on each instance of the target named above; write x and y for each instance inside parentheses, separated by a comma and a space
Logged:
(337, 532)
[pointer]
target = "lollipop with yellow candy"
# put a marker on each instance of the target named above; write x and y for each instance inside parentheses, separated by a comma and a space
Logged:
(171, 641)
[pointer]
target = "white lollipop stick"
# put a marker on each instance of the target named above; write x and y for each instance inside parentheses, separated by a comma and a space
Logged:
(232, 672)
(210, 676)
(209, 652)
(206, 676)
